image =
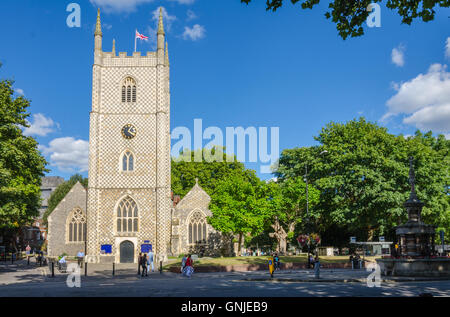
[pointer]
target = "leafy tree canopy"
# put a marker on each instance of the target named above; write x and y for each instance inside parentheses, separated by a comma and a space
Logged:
(21, 163)
(184, 172)
(363, 177)
(349, 15)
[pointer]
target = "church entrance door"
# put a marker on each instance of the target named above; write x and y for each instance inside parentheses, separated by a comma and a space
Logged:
(127, 252)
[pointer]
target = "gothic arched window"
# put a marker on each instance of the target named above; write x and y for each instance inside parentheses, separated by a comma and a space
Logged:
(197, 229)
(77, 226)
(127, 162)
(127, 216)
(129, 90)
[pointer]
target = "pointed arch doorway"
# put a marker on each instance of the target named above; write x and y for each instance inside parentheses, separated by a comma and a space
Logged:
(127, 252)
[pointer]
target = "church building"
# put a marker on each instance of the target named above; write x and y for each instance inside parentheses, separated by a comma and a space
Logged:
(128, 206)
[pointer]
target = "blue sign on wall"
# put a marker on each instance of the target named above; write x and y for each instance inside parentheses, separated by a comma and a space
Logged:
(106, 249)
(146, 248)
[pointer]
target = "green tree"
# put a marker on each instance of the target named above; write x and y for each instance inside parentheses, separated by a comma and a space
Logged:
(21, 164)
(61, 191)
(289, 209)
(208, 173)
(349, 15)
(363, 180)
(240, 206)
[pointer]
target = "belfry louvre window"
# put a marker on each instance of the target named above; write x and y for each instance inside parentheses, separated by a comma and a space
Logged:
(128, 162)
(77, 226)
(129, 90)
(127, 216)
(197, 229)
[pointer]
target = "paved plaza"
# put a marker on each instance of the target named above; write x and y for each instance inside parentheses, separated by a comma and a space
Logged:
(22, 280)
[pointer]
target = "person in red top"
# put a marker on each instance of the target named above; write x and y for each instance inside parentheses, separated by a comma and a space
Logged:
(189, 269)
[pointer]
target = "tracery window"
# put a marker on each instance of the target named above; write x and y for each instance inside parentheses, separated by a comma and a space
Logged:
(127, 216)
(77, 226)
(197, 229)
(129, 90)
(127, 162)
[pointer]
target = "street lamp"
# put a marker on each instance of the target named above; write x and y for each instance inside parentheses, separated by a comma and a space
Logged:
(307, 200)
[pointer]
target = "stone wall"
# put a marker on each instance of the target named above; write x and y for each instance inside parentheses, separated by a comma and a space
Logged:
(58, 223)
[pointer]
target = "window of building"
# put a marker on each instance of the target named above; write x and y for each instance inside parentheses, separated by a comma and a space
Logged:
(77, 226)
(197, 229)
(127, 216)
(129, 90)
(128, 162)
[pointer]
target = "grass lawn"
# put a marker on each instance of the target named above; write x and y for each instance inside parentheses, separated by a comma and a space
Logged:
(242, 260)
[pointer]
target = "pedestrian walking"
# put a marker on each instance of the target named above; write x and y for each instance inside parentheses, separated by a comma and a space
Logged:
(189, 267)
(150, 261)
(144, 265)
(139, 263)
(317, 267)
(276, 261)
(183, 263)
(28, 249)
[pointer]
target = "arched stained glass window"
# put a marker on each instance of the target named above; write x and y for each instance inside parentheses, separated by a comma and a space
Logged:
(127, 162)
(197, 229)
(127, 216)
(77, 226)
(129, 90)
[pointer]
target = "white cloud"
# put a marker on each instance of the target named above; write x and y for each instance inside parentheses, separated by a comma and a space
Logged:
(190, 15)
(447, 48)
(425, 99)
(195, 33)
(40, 126)
(68, 154)
(398, 55)
(20, 91)
(183, 1)
(117, 6)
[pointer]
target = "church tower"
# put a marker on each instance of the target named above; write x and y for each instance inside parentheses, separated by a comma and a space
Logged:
(128, 204)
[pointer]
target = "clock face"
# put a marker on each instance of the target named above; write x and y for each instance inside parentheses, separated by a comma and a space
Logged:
(128, 131)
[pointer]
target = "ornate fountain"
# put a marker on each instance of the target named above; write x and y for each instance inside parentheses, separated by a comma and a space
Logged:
(416, 239)
(416, 255)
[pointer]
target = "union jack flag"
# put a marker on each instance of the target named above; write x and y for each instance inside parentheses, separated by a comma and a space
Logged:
(141, 36)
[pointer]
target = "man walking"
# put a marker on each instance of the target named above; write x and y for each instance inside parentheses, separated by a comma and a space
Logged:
(144, 265)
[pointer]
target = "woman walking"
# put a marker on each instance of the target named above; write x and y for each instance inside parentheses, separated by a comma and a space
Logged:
(189, 266)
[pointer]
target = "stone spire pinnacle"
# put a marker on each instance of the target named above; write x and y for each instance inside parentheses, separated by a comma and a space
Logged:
(167, 54)
(114, 47)
(98, 26)
(161, 22)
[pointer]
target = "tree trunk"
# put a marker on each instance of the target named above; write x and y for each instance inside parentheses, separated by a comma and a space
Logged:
(281, 236)
(240, 245)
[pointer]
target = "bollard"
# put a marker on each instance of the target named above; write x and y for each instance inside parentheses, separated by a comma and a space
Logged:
(53, 269)
(114, 268)
(28, 260)
(85, 268)
(160, 267)
(139, 268)
(12, 258)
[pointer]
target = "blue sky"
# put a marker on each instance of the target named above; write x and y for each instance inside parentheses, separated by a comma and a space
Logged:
(231, 65)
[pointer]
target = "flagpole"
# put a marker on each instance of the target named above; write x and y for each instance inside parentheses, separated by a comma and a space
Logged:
(135, 41)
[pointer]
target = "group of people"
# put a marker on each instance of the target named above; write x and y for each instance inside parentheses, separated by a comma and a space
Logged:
(187, 266)
(145, 261)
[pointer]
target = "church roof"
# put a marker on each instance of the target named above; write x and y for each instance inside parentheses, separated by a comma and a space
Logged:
(195, 198)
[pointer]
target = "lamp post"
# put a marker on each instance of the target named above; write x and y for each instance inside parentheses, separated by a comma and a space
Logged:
(307, 199)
